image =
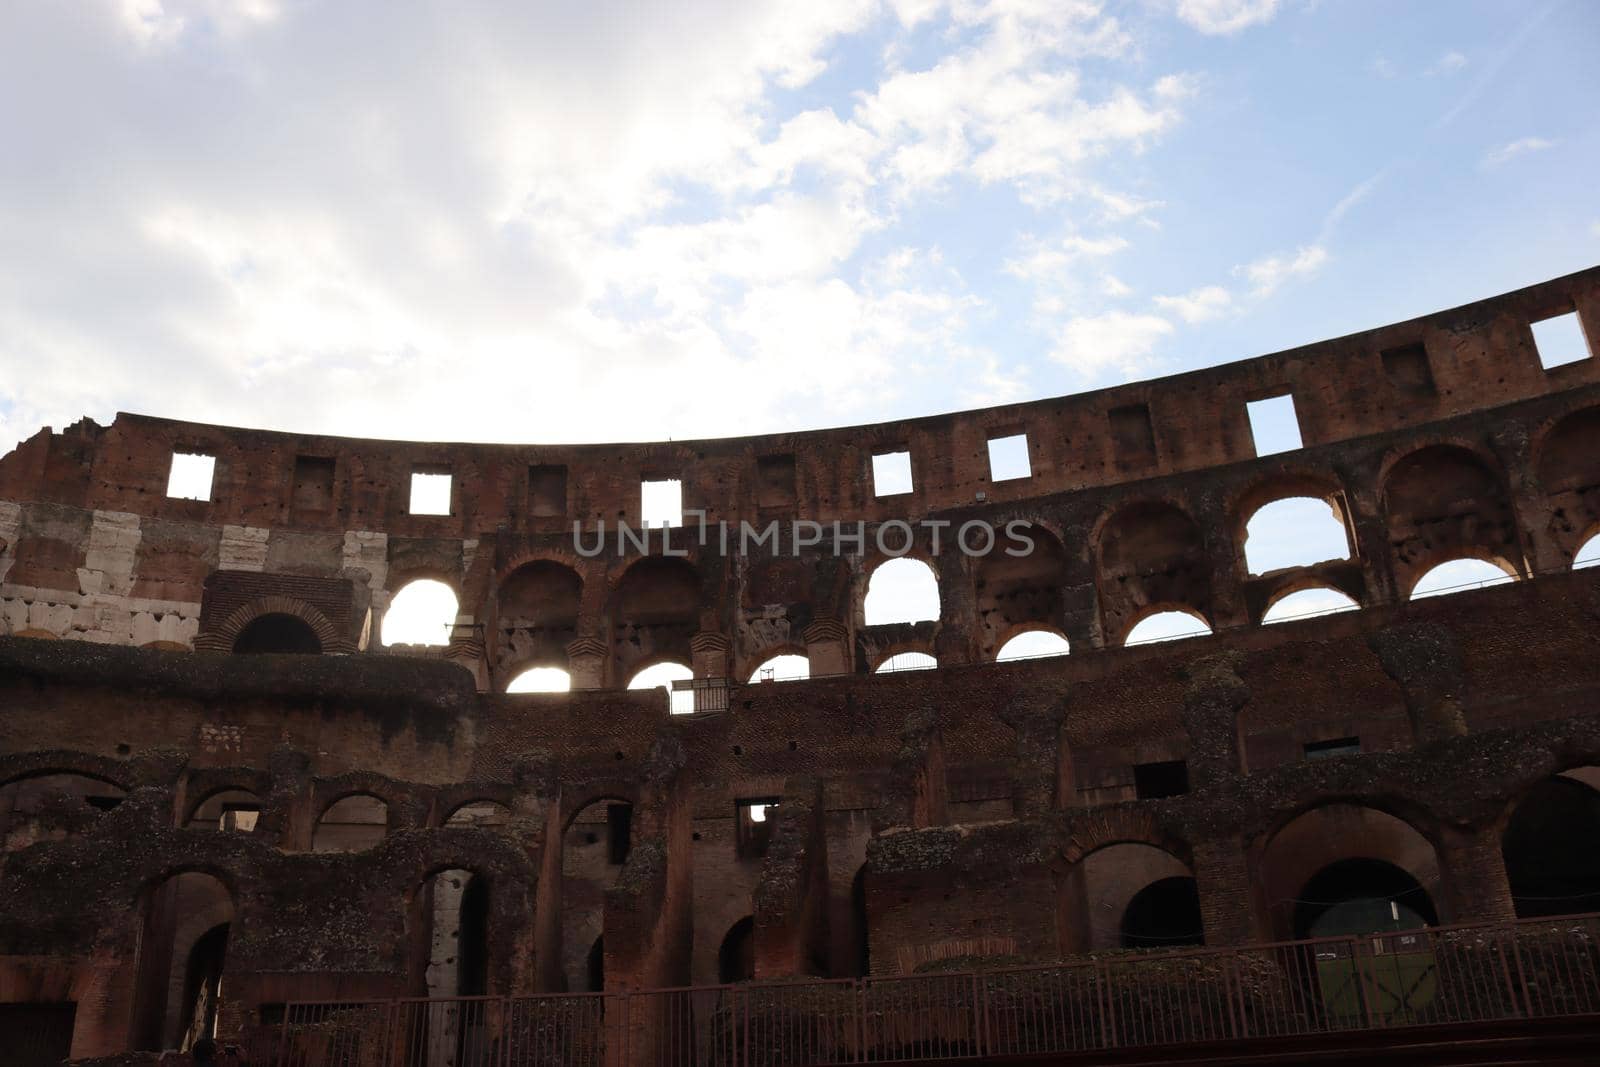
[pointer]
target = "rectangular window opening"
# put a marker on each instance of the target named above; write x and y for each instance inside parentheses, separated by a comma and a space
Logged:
(1560, 341)
(1169, 778)
(1274, 426)
(547, 491)
(754, 821)
(619, 833)
(891, 473)
(775, 486)
(1008, 458)
(1408, 369)
(430, 492)
(190, 476)
(313, 483)
(1339, 746)
(661, 502)
(1132, 434)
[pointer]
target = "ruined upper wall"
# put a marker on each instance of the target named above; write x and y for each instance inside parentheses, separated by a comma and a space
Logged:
(1443, 365)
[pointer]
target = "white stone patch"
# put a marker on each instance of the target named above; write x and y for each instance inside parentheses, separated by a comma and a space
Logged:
(108, 562)
(244, 548)
(10, 530)
(368, 550)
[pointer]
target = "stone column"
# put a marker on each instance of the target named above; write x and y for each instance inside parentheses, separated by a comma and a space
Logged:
(827, 647)
(1476, 888)
(1211, 706)
(586, 663)
(916, 793)
(1425, 660)
(1529, 504)
(1041, 765)
(709, 652)
(1227, 907)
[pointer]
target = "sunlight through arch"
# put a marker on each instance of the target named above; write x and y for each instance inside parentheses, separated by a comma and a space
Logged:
(541, 680)
(785, 668)
(662, 675)
(1033, 644)
(1167, 626)
(1306, 603)
(907, 661)
(1588, 555)
(1295, 531)
(421, 613)
(1460, 576)
(901, 590)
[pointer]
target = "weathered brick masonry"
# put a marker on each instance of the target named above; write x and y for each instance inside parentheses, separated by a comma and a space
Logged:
(371, 822)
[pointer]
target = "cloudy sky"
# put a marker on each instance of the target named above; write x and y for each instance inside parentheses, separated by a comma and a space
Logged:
(582, 221)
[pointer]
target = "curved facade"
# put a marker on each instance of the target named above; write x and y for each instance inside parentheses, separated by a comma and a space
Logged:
(196, 836)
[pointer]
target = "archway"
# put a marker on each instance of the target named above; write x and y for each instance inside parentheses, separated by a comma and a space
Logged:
(52, 807)
(782, 668)
(1151, 554)
(656, 612)
(596, 966)
(228, 809)
(538, 613)
(182, 957)
(1164, 914)
(1170, 625)
(1459, 576)
(480, 815)
(1033, 644)
(1588, 554)
(736, 959)
(1106, 886)
(1569, 471)
(1330, 837)
(901, 590)
(906, 661)
(1361, 896)
(1306, 603)
(454, 904)
(278, 633)
(860, 932)
(1295, 531)
(351, 824)
(541, 680)
(594, 847)
(1444, 502)
(1549, 849)
(421, 613)
(661, 676)
(1019, 594)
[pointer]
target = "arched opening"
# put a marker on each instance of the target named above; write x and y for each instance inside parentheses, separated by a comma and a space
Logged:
(656, 612)
(454, 907)
(597, 966)
(1361, 896)
(1151, 553)
(661, 676)
(352, 824)
(1459, 576)
(230, 809)
(736, 959)
(538, 613)
(52, 807)
(1549, 849)
(181, 965)
(1444, 502)
(907, 661)
(1296, 531)
(1106, 886)
(1019, 593)
(899, 591)
(1569, 471)
(421, 613)
(594, 847)
(1306, 603)
(1164, 914)
(1354, 842)
(1588, 554)
(280, 634)
(1173, 625)
(481, 815)
(1033, 644)
(541, 680)
(782, 668)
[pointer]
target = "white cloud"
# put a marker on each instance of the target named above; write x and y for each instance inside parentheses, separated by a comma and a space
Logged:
(1521, 147)
(1226, 16)
(1267, 274)
(1114, 286)
(1198, 305)
(1448, 63)
(414, 221)
(1117, 340)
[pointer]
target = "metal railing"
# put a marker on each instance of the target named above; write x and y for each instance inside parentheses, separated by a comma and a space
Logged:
(1525, 970)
